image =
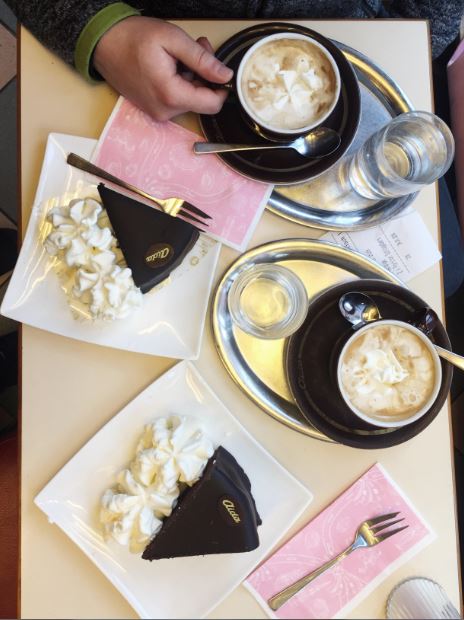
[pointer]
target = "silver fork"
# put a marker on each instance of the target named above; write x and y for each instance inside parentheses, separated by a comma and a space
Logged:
(172, 206)
(368, 534)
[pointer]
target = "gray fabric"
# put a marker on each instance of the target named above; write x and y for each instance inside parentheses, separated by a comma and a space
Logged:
(58, 24)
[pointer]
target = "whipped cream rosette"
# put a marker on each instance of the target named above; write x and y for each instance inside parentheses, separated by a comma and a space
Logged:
(100, 280)
(171, 454)
(172, 450)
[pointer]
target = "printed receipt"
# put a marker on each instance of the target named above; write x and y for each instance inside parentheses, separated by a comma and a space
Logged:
(402, 245)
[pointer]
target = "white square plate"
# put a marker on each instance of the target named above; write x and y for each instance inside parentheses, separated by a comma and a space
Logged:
(71, 500)
(165, 325)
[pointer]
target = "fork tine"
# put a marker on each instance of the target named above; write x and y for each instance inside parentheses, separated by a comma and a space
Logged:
(188, 216)
(195, 210)
(383, 526)
(382, 518)
(383, 537)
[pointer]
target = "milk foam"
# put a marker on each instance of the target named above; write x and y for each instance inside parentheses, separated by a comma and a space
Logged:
(288, 83)
(388, 371)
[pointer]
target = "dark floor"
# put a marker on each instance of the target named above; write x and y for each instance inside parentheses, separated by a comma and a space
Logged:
(9, 470)
(453, 262)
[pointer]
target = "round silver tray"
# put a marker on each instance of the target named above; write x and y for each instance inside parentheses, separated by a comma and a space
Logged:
(381, 100)
(257, 365)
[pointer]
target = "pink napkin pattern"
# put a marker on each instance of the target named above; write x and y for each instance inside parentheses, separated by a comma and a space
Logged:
(456, 96)
(341, 588)
(158, 158)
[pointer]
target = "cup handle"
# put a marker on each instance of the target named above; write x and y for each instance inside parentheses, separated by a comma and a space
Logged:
(214, 86)
(425, 319)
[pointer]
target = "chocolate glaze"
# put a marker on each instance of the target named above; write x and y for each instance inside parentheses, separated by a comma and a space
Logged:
(153, 243)
(216, 515)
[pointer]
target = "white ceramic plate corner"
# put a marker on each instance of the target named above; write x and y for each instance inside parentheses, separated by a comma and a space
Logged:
(70, 500)
(164, 326)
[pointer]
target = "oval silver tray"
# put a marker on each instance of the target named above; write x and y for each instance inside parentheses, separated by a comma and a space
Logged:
(257, 365)
(381, 100)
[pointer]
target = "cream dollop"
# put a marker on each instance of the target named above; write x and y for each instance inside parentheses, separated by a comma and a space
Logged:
(82, 237)
(172, 450)
(378, 367)
(171, 453)
(132, 513)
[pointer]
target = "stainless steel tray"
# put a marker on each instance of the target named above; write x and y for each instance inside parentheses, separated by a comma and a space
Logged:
(257, 365)
(381, 100)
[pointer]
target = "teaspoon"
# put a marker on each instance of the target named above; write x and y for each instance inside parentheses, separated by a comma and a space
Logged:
(320, 142)
(359, 309)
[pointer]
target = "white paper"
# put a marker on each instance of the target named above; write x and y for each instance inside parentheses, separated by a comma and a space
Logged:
(402, 245)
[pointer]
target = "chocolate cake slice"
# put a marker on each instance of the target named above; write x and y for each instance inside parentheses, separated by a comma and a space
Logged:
(153, 243)
(216, 515)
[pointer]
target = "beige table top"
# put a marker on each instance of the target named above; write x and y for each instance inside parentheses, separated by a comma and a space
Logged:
(70, 389)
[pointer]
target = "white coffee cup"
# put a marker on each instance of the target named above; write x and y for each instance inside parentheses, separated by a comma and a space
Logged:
(254, 117)
(401, 419)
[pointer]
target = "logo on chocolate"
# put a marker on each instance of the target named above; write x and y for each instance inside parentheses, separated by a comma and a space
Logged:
(158, 254)
(229, 511)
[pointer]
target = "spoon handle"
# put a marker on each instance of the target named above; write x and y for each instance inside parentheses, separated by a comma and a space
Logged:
(449, 356)
(213, 147)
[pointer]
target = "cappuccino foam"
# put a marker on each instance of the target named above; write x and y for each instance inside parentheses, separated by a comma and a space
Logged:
(288, 83)
(388, 371)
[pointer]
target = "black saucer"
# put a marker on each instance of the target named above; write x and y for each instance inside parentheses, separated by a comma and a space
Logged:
(311, 362)
(284, 166)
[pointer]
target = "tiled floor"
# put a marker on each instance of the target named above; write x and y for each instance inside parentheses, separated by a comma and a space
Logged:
(9, 470)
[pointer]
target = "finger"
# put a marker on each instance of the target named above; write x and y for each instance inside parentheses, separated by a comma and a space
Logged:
(195, 98)
(204, 42)
(198, 59)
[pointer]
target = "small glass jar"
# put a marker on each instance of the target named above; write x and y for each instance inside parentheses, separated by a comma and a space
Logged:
(268, 301)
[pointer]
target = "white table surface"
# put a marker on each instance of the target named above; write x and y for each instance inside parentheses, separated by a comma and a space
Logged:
(70, 389)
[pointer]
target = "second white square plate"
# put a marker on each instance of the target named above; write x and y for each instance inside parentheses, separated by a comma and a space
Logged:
(181, 587)
(165, 325)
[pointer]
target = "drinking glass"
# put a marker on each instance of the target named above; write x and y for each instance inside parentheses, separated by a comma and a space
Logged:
(410, 152)
(268, 301)
(419, 597)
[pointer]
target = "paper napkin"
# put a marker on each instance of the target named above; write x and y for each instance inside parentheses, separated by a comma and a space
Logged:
(158, 158)
(403, 245)
(335, 593)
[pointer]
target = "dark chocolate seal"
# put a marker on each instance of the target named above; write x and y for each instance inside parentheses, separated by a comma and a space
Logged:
(159, 254)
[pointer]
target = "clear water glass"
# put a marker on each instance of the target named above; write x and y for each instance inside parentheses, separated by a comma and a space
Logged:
(268, 301)
(419, 597)
(411, 151)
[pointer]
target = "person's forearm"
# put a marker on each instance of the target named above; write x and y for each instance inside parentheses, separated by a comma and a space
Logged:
(57, 24)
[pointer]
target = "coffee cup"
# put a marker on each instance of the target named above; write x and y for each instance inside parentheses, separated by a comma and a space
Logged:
(287, 84)
(389, 373)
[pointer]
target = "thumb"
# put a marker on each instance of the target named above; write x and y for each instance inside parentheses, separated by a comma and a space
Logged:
(199, 59)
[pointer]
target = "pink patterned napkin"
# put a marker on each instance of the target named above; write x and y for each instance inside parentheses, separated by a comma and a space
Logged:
(158, 158)
(341, 588)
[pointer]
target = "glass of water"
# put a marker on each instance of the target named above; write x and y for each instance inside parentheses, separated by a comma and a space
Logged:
(268, 301)
(412, 151)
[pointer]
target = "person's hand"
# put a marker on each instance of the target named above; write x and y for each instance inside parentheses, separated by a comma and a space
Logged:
(139, 58)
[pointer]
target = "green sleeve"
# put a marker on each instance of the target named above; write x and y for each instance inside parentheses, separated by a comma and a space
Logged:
(92, 32)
